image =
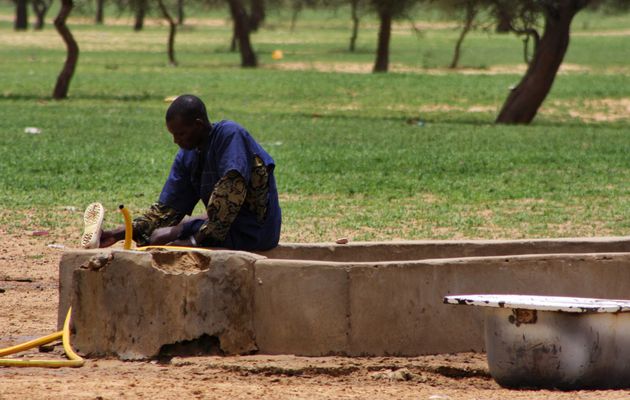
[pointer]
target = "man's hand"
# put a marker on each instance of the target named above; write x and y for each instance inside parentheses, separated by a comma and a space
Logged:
(108, 238)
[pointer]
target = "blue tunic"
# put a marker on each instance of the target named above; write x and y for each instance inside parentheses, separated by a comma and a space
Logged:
(195, 173)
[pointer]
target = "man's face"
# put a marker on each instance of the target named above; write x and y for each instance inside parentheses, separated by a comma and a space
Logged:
(188, 136)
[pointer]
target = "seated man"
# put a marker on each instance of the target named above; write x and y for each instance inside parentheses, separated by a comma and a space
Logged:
(219, 164)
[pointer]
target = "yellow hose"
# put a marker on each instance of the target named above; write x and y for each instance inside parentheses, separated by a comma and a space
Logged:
(165, 247)
(31, 343)
(128, 226)
(74, 359)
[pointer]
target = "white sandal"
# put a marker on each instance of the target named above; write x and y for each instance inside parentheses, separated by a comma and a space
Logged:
(93, 220)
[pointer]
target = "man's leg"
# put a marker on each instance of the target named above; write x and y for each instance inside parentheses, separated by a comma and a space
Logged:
(184, 229)
(162, 236)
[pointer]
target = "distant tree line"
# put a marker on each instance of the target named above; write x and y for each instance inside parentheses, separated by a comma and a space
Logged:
(543, 24)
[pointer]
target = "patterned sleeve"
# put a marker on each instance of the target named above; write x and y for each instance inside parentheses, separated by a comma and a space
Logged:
(158, 216)
(225, 202)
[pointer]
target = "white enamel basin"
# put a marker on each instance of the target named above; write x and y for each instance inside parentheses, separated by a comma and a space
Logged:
(555, 342)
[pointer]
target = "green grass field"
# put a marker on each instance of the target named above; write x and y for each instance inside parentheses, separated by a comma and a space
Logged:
(352, 158)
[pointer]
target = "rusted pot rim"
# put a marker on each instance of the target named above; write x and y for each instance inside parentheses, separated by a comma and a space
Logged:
(542, 303)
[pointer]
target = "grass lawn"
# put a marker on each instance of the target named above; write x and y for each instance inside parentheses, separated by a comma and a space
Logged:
(411, 154)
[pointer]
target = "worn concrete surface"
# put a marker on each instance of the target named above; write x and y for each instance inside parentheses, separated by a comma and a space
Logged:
(70, 261)
(429, 249)
(396, 308)
(301, 307)
(132, 303)
(314, 308)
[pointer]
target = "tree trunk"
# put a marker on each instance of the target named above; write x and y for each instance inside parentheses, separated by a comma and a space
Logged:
(40, 7)
(141, 7)
(294, 15)
(100, 5)
(257, 15)
(504, 21)
(242, 31)
(524, 100)
(180, 12)
(171, 34)
(354, 4)
(21, 15)
(72, 55)
(384, 34)
(471, 12)
(234, 42)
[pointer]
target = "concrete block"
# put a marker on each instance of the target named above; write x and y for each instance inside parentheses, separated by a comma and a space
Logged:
(136, 302)
(68, 263)
(395, 309)
(301, 308)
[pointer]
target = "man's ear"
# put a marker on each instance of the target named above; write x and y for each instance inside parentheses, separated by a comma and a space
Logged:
(200, 122)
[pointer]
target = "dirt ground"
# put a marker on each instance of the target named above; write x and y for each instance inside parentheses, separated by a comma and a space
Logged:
(28, 309)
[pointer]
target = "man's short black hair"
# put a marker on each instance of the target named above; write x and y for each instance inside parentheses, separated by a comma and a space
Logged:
(188, 108)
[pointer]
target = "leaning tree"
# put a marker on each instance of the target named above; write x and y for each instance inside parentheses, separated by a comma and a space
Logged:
(139, 8)
(72, 54)
(466, 11)
(243, 27)
(99, 18)
(356, 7)
(387, 11)
(21, 15)
(254, 16)
(549, 49)
(40, 8)
(172, 31)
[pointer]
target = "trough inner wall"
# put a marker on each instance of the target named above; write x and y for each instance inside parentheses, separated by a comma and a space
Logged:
(430, 249)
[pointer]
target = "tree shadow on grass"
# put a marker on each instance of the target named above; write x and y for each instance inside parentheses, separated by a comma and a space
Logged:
(101, 96)
(537, 123)
(427, 121)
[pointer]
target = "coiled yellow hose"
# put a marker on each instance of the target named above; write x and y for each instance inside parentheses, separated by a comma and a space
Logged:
(74, 360)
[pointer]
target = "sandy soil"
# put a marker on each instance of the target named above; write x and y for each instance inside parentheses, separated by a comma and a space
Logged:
(28, 307)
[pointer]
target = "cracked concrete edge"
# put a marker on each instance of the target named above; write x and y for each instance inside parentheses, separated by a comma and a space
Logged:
(428, 249)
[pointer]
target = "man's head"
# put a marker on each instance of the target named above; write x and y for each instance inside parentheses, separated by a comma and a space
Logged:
(187, 120)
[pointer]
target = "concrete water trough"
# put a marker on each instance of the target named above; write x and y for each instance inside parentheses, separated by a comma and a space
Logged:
(321, 299)
(555, 342)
